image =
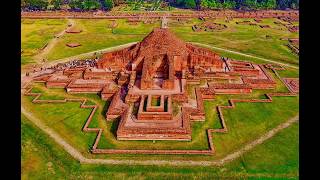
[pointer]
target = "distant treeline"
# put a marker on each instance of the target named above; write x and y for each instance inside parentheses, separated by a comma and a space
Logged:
(67, 4)
(192, 4)
(238, 4)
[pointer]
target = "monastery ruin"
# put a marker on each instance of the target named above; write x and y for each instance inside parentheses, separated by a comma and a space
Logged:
(147, 84)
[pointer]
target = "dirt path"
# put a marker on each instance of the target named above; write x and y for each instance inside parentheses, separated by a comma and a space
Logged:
(258, 141)
(79, 157)
(164, 22)
(72, 151)
(247, 55)
(39, 57)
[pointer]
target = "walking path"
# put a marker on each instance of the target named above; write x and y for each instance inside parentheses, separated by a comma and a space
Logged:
(39, 57)
(164, 22)
(72, 151)
(247, 55)
(83, 160)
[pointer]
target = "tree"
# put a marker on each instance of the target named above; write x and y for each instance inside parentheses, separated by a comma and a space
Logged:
(190, 4)
(211, 4)
(180, 2)
(214, 4)
(23, 4)
(156, 5)
(91, 4)
(76, 4)
(204, 4)
(56, 4)
(251, 4)
(36, 4)
(270, 4)
(282, 4)
(108, 4)
(295, 4)
(229, 4)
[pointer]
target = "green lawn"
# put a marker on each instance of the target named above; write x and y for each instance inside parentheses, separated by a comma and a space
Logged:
(42, 158)
(36, 33)
(250, 120)
(289, 73)
(242, 38)
(97, 35)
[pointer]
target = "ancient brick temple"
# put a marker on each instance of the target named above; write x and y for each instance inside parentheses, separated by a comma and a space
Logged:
(162, 56)
(146, 84)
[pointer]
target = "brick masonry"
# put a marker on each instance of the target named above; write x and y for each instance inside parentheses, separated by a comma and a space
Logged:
(186, 114)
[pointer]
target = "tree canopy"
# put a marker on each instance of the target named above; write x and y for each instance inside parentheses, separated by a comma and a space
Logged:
(108, 4)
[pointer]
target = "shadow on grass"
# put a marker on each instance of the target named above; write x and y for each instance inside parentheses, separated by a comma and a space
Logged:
(114, 126)
(105, 109)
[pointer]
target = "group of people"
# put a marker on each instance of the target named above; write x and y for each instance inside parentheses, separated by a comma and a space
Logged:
(70, 64)
(77, 63)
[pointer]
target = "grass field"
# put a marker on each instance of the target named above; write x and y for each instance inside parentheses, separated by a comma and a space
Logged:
(35, 34)
(98, 35)
(280, 156)
(244, 38)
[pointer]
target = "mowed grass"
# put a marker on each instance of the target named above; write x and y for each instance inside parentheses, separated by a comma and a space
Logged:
(244, 38)
(237, 37)
(67, 118)
(42, 158)
(35, 33)
(289, 73)
(246, 122)
(280, 154)
(96, 34)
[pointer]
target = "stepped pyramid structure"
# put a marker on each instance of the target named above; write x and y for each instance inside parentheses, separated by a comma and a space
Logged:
(160, 55)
